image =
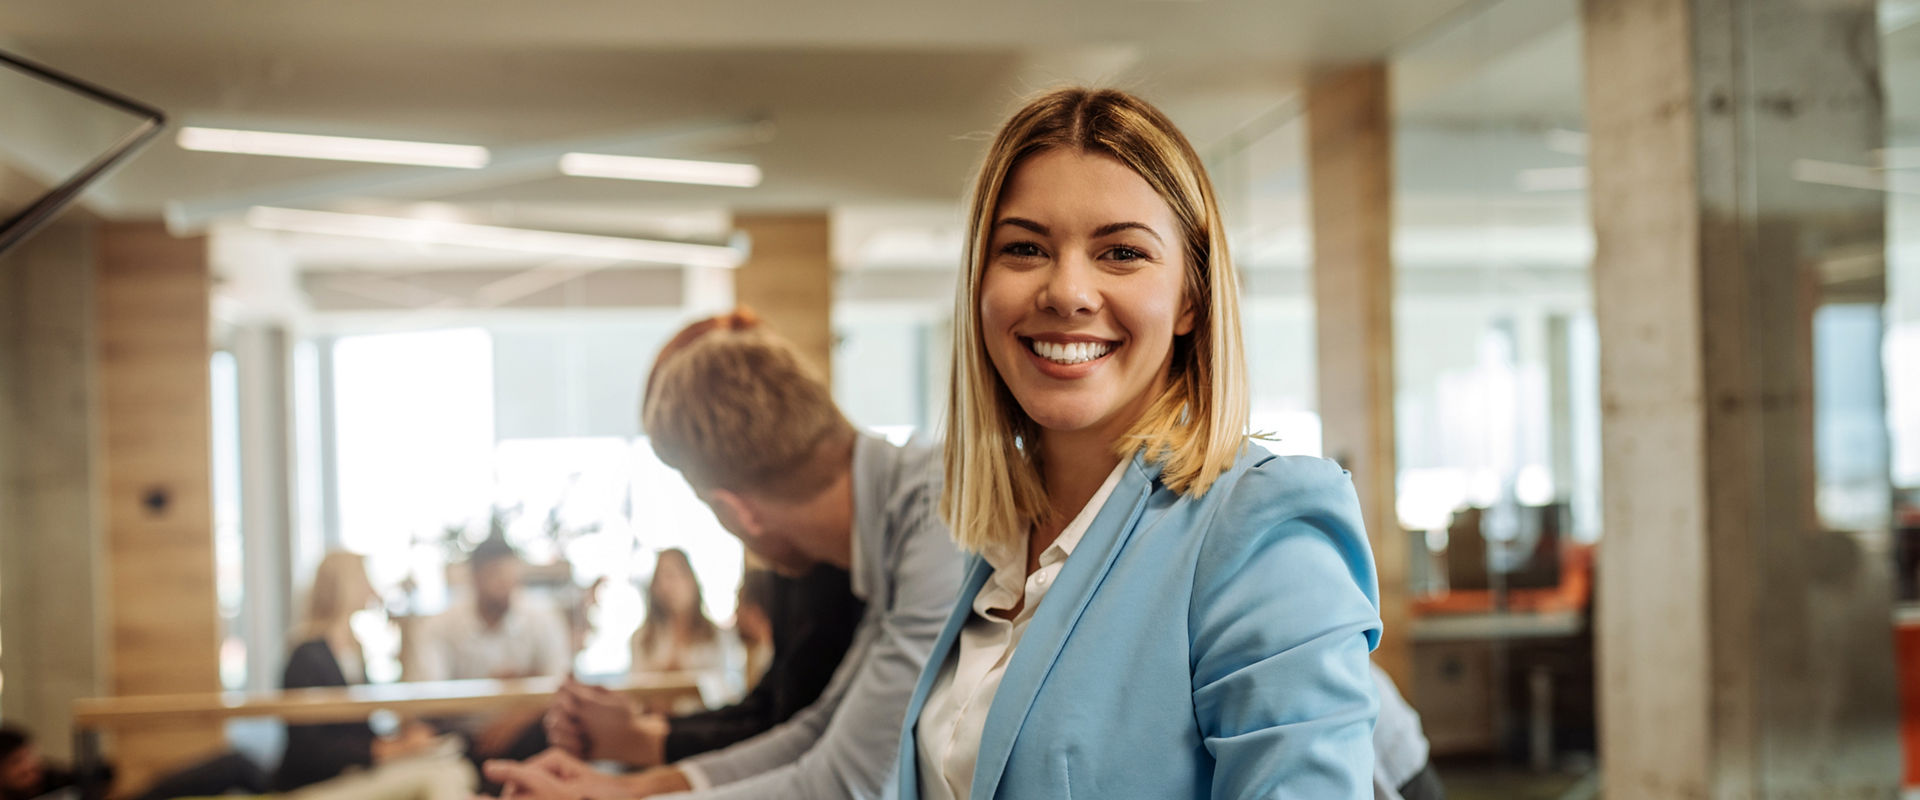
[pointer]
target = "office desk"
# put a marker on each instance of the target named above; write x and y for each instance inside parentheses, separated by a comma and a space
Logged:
(92, 716)
(1486, 681)
(1495, 625)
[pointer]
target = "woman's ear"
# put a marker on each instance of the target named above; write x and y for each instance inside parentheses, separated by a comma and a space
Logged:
(1183, 324)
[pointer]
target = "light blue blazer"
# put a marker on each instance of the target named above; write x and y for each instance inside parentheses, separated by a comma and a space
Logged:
(1190, 648)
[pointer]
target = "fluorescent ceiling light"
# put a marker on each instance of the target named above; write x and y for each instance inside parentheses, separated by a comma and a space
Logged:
(1552, 179)
(666, 170)
(1855, 176)
(1898, 157)
(524, 240)
(1561, 140)
(333, 148)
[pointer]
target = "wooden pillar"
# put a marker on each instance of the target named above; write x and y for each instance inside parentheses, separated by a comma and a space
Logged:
(151, 292)
(788, 280)
(1350, 164)
(1744, 650)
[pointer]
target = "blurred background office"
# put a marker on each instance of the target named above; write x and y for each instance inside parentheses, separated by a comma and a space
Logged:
(1614, 301)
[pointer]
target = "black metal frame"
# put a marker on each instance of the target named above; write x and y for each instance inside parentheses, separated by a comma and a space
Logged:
(152, 121)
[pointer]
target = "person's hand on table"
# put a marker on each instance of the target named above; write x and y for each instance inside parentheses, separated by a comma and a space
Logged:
(501, 732)
(554, 775)
(415, 738)
(659, 780)
(602, 724)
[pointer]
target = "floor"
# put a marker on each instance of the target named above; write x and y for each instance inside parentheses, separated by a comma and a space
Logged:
(1487, 780)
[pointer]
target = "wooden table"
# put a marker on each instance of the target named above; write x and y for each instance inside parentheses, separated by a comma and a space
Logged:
(92, 716)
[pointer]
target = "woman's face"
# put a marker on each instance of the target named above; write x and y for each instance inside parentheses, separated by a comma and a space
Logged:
(1083, 292)
(673, 586)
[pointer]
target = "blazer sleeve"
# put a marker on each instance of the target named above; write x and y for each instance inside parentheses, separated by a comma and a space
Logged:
(1284, 613)
(694, 734)
(318, 752)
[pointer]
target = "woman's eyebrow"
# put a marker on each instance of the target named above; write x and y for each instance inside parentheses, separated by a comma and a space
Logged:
(1108, 229)
(1023, 222)
(1112, 228)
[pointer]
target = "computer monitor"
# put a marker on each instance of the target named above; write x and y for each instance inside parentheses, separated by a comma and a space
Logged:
(131, 125)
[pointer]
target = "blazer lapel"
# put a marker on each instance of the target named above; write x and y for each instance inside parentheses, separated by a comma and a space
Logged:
(1047, 632)
(978, 571)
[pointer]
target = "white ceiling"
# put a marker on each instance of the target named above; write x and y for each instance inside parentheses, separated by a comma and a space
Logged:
(874, 109)
(870, 101)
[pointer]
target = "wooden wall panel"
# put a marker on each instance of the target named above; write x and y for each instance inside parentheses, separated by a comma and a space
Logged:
(788, 280)
(151, 293)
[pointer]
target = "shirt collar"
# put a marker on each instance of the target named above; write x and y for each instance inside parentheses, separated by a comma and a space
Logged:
(1009, 556)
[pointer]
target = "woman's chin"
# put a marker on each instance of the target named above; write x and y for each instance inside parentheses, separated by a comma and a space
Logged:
(1064, 420)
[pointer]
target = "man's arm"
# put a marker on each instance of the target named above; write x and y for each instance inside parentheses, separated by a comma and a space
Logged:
(846, 749)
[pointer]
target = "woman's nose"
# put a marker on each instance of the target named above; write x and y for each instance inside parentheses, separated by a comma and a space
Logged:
(1069, 289)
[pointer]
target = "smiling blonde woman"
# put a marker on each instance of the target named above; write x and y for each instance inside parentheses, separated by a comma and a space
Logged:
(1155, 606)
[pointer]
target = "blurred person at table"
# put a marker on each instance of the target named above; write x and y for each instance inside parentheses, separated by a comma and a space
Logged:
(503, 633)
(753, 622)
(25, 772)
(329, 655)
(678, 636)
(807, 624)
(753, 429)
(1154, 606)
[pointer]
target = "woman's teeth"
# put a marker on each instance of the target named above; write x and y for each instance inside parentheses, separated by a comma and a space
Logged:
(1074, 353)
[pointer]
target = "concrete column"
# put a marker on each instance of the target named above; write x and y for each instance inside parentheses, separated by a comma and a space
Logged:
(262, 357)
(1744, 651)
(151, 331)
(50, 646)
(788, 280)
(1350, 164)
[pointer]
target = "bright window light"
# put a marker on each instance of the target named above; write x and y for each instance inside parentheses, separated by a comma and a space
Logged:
(333, 148)
(524, 240)
(665, 170)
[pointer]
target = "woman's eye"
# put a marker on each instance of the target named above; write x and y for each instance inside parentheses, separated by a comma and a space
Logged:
(1021, 250)
(1124, 253)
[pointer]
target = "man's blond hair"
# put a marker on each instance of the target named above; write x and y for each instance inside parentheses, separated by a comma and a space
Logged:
(733, 406)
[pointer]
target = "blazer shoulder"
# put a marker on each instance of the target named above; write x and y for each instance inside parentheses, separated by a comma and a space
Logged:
(1262, 486)
(312, 664)
(1270, 498)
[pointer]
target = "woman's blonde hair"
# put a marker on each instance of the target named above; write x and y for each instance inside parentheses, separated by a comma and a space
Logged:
(330, 599)
(1197, 427)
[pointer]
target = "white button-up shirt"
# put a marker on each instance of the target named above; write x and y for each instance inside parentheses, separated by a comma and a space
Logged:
(531, 640)
(955, 714)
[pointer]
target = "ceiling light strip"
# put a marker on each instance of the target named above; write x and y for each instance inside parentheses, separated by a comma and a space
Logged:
(664, 170)
(523, 240)
(333, 148)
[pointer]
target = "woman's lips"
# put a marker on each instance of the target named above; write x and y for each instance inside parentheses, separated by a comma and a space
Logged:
(1067, 360)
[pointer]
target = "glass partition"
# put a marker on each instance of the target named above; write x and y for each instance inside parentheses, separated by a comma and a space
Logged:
(1496, 398)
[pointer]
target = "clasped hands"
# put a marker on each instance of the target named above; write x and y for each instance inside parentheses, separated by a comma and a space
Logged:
(592, 723)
